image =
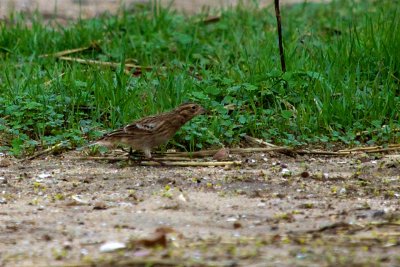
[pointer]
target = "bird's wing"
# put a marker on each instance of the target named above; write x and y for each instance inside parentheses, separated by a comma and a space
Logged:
(138, 128)
(149, 125)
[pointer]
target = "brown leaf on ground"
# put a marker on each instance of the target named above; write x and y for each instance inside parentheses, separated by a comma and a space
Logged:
(5, 163)
(159, 238)
(221, 154)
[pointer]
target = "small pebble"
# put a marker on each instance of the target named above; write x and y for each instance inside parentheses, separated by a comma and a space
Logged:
(237, 225)
(378, 214)
(285, 172)
(342, 191)
(111, 246)
(231, 219)
(305, 174)
(100, 206)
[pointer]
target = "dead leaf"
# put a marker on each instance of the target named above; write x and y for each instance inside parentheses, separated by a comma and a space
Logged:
(237, 225)
(305, 174)
(221, 154)
(5, 163)
(159, 238)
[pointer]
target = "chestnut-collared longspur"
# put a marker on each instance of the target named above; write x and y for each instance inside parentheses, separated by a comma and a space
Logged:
(152, 131)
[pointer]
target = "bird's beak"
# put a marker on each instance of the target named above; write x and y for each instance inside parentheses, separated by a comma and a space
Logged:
(203, 111)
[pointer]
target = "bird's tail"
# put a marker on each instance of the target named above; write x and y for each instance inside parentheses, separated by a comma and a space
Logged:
(100, 142)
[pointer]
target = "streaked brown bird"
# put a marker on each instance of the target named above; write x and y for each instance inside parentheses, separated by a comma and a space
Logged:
(149, 132)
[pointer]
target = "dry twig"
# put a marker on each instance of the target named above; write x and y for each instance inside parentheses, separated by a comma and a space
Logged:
(211, 19)
(193, 163)
(44, 152)
(372, 149)
(167, 161)
(93, 45)
(127, 66)
(52, 80)
(257, 141)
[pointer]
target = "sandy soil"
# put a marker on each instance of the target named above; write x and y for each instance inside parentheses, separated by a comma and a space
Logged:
(273, 210)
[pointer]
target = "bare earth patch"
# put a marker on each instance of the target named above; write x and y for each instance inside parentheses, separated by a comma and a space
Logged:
(273, 210)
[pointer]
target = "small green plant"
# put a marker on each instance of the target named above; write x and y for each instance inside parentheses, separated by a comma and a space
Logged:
(167, 192)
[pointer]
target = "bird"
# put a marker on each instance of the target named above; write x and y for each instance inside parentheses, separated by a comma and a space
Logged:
(152, 131)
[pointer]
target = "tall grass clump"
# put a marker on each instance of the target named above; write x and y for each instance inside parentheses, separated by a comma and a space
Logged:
(342, 83)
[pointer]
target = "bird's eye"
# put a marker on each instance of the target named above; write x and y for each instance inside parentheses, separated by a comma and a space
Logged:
(193, 107)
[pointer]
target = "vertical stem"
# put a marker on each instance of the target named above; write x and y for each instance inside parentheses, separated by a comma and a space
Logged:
(278, 20)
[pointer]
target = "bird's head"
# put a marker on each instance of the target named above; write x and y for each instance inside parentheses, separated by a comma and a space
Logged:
(189, 110)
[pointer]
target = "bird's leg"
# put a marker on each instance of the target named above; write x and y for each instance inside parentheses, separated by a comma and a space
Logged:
(131, 155)
(130, 151)
(147, 154)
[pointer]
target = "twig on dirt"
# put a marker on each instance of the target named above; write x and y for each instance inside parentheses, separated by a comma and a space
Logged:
(284, 150)
(373, 149)
(338, 225)
(350, 227)
(395, 130)
(257, 141)
(209, 153)
(383, 150)
(45, 152)
(287, 150)
(386, 223)
(359, 149)
(171, 158)
(167, 161)
(193, 163)
(320, 152)
(127, 158)
(110, 159)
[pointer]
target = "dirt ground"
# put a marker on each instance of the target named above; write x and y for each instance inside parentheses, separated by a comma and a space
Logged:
(272, 210)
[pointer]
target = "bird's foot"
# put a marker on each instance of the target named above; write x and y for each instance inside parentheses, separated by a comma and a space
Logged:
(130, 151)
(133, 155)
(139, 160)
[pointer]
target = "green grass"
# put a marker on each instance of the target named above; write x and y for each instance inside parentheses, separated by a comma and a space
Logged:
(343, 75)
